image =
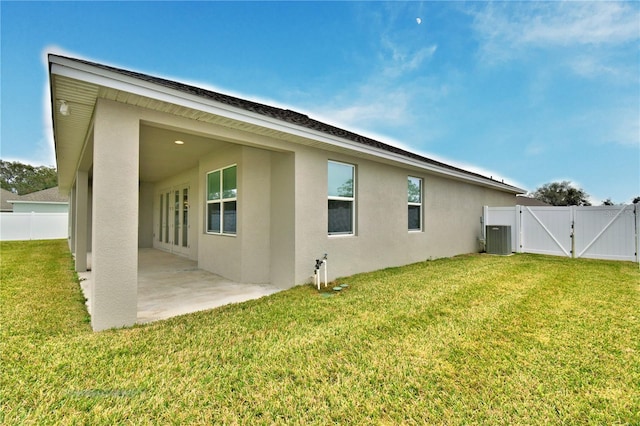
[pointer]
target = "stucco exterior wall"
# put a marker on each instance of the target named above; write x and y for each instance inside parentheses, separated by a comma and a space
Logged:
(219, 253)
(145, 214)
(282, 216)
(283, 232)
(454, 210)
(246, 256)
(451, 217)
(282, 211)
(254, 210)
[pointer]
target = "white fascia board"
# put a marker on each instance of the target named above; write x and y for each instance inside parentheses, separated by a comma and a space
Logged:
(117, 81)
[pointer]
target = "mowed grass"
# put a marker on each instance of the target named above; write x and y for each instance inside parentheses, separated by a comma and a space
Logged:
(473, 339)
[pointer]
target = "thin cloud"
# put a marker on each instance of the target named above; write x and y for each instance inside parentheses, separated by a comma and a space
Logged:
(508, 29)
(625, 128)
(591, 67)
(470, 167)
(393, 107)
(534, 149)
(385, 103)
(575, 23)
(398, 81)
(404, 59)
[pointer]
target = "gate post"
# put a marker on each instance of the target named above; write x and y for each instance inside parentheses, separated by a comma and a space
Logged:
(637, 215)
(573, 231)
(518, 221)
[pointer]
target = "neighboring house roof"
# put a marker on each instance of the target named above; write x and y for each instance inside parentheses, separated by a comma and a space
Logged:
(100, 80)
(522, 200)
(51, 195)
(5, 196)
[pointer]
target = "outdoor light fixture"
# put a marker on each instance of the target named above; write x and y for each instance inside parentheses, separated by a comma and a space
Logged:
(64, 108)
(179, 142)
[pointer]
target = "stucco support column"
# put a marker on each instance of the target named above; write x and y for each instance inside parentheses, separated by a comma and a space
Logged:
(72, 220)
(114, 253)
(80, 198)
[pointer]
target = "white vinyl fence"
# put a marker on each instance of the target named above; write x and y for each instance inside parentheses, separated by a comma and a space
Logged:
(33, 226)
(603, 232)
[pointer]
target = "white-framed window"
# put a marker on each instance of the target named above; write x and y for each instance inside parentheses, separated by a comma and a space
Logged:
(414, 203)
(341, 198)
(222, 196)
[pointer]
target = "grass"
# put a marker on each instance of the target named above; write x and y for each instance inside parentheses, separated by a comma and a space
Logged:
(475, 339)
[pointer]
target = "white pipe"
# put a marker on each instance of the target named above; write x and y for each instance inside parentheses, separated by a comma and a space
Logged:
(316, 272)
(324, 261)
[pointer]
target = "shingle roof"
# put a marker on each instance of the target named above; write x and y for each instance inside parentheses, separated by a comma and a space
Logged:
(285, 115)
(51, 195)
(528, 201)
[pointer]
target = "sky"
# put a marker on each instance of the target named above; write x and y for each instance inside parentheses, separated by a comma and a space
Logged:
(529, 92)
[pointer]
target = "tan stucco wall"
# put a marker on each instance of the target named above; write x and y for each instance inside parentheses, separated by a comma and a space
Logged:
(283, 214)
(245, 257)
(145, 215)
(452, 211)
(282, 210)
(254, 210)
(219, 253)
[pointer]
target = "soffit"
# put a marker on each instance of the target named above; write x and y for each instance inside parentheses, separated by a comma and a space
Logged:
(70, 131)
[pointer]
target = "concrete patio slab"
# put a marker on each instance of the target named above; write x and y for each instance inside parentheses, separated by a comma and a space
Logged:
(170, 285)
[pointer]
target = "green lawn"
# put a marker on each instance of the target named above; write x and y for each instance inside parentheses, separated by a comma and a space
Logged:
(473, 339)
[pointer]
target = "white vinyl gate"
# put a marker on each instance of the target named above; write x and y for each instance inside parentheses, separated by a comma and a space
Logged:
(603, 232)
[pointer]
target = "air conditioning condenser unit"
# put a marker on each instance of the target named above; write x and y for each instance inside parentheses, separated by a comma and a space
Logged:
(498, 239)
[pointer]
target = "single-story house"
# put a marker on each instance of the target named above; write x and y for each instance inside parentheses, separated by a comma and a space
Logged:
(5, 196)
(252, 192)
(46, 201)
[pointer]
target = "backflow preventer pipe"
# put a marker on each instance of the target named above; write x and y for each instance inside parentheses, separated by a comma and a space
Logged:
(319, 264)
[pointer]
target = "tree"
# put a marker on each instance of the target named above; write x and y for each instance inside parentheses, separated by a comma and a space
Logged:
(561, 194)
(24, 179)
(636, 200)
(607, 202)
(414, 191)
(346, 189)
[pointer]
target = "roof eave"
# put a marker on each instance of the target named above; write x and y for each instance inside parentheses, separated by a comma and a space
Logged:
(111, 79)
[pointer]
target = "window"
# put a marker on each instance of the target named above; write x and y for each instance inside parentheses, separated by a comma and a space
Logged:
(222, 192)
(341, 195)
(414, 201)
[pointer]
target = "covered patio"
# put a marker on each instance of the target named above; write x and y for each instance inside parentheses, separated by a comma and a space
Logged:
(171, 285)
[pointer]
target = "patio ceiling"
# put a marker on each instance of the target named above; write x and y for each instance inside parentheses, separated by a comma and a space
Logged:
(161, 157)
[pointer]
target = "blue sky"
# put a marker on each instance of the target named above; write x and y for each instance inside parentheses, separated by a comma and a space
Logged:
(528, 92)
